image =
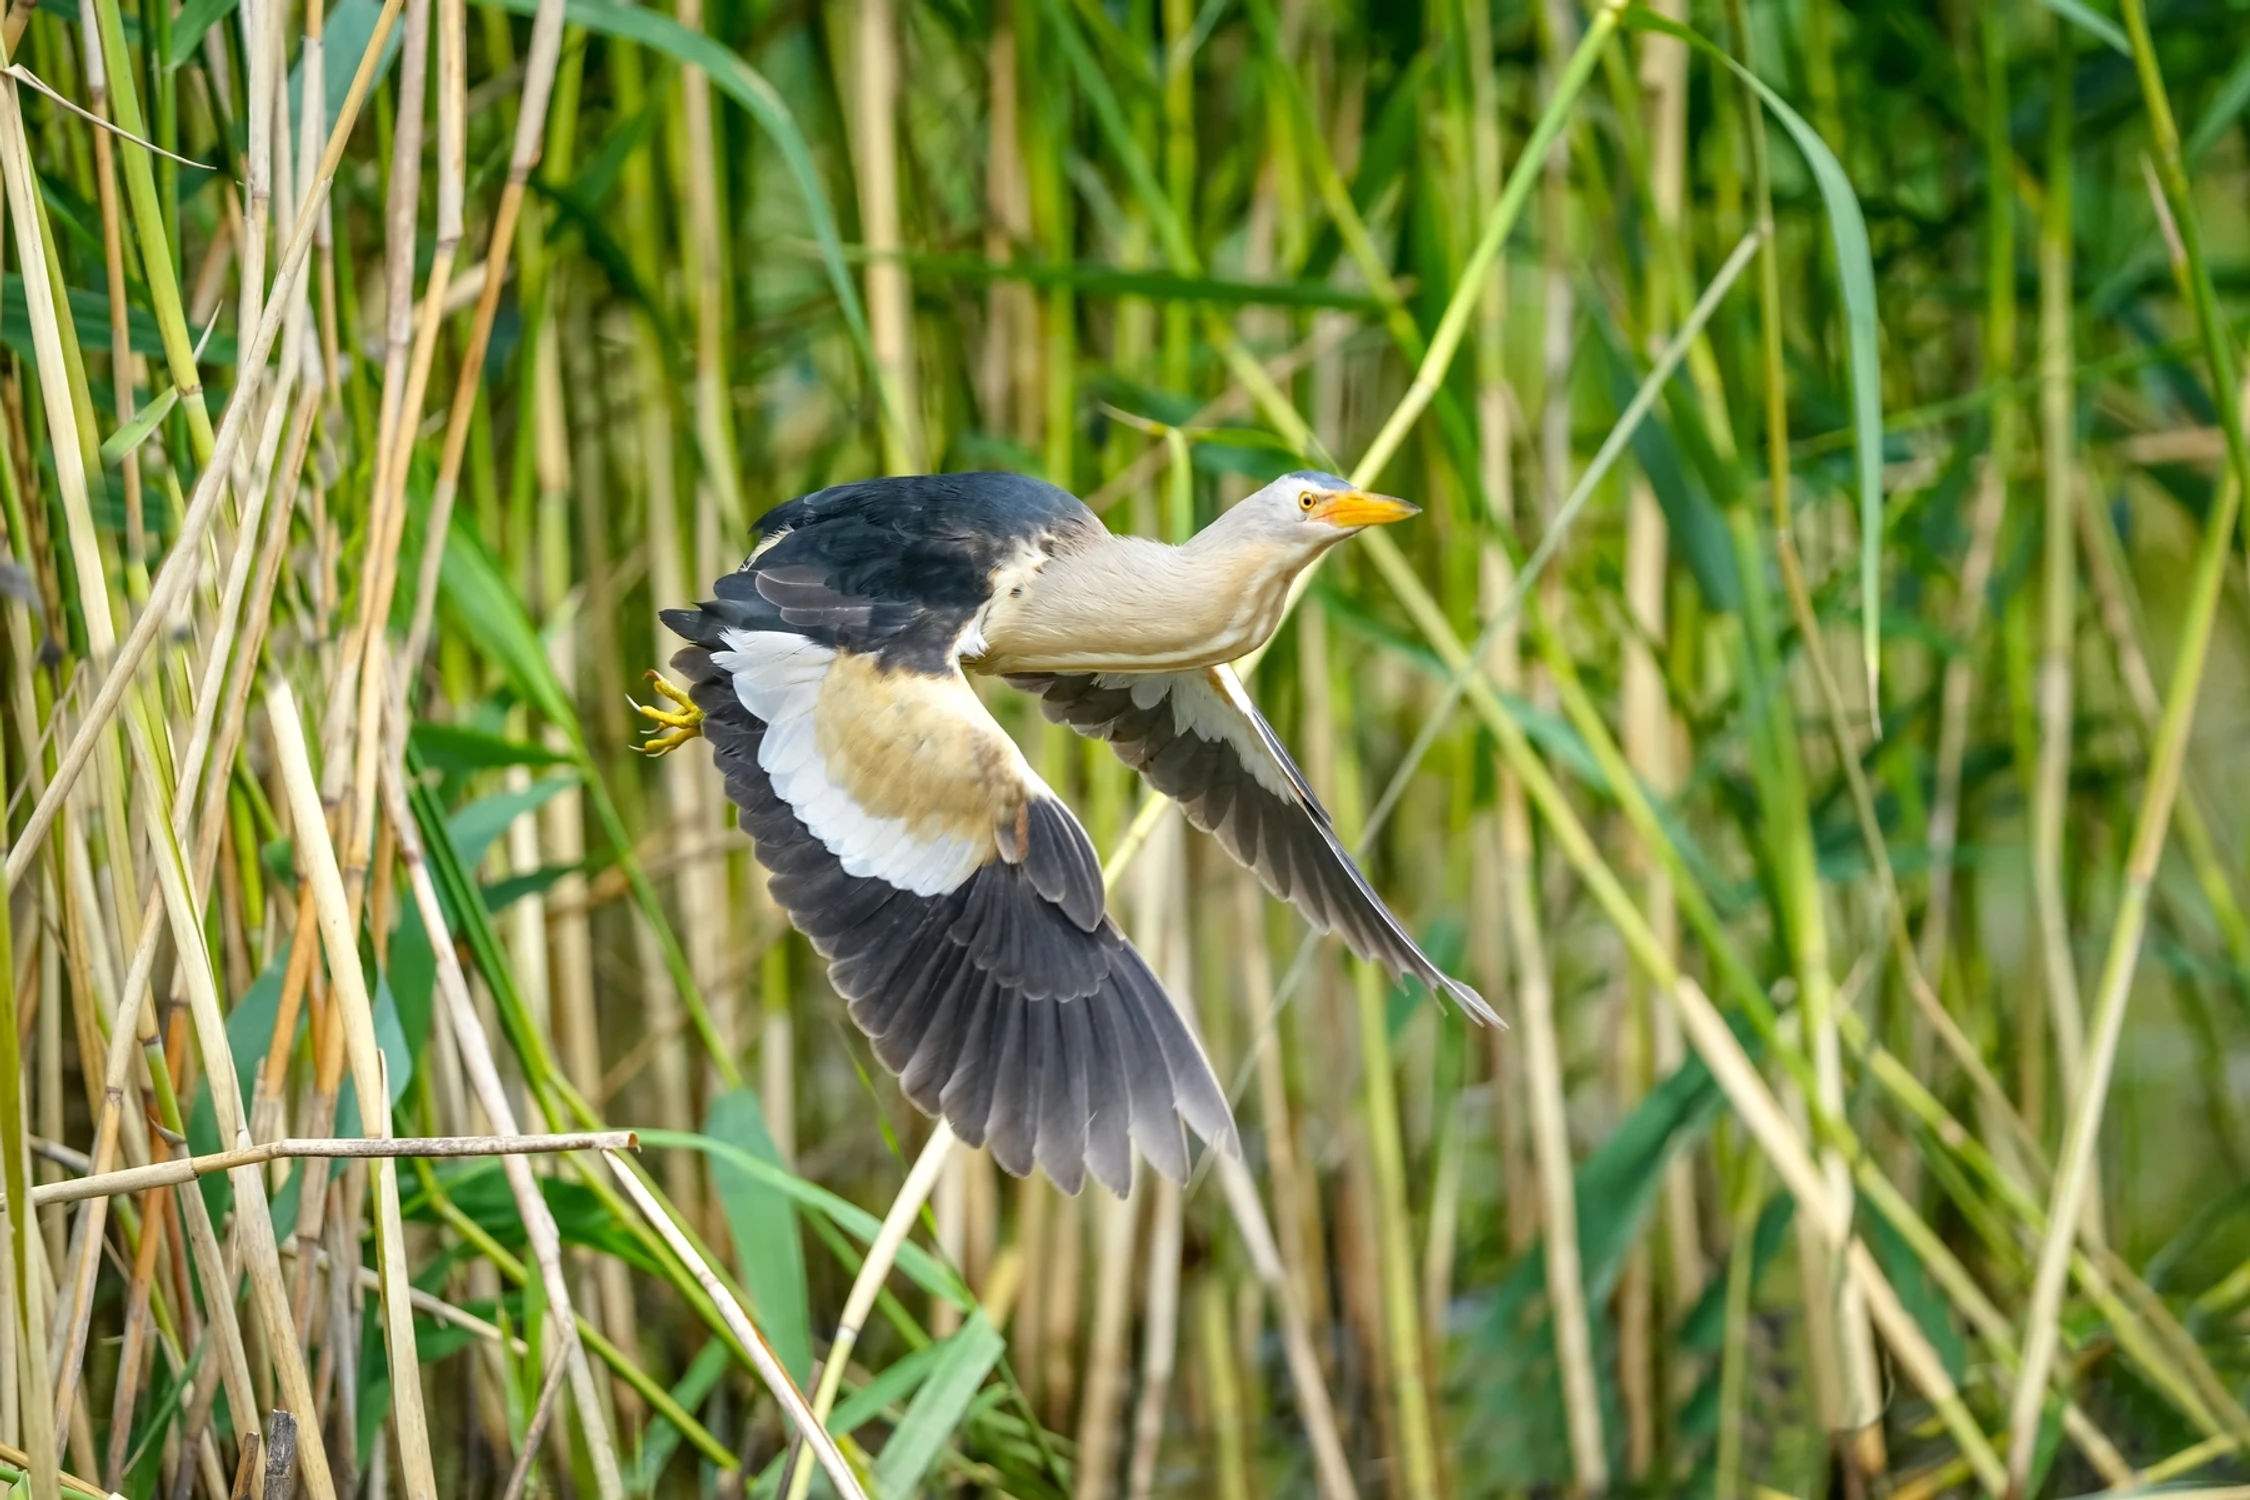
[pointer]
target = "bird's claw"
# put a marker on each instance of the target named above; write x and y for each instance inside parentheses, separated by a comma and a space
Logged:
(678, 728)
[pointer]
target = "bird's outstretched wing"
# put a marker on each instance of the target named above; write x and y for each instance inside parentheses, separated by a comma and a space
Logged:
(958, 902)
(1199, 740)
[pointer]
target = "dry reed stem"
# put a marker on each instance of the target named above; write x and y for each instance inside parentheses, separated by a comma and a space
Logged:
(1786, 1152)
(520, 1476)
(1550, 1134)
(1927, 1003)
(261, 47)
(182, 912)
(16, 1457)
(26, 1282)
(1999, 340)
(1105, 1381)
(1160, 1331)
(348, 992)
(360, 676)
(113, 265)
(890, 294)
(54, 384)
(393, 467)
(216, 687)
(1222, 1388)
(1653, 741)
(1158, 929)
(1847, 1380)
(762, 1358)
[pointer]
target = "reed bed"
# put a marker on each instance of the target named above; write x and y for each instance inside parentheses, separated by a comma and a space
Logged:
(1810, 706)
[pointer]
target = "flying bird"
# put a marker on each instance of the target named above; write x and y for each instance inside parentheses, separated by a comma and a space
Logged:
(957, 900)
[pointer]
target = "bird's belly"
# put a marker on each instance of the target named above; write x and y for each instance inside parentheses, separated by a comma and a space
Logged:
(1144, 645)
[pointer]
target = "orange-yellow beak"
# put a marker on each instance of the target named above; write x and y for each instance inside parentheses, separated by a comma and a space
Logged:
(1356, 508)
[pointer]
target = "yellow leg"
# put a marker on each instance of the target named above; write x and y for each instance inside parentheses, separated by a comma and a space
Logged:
(678, 728)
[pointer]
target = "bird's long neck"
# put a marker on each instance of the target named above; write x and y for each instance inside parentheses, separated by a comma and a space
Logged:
(1128, 604)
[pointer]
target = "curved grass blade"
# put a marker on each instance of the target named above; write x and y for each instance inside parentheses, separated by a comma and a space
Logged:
(2091, 21)
(194, 19)
(1847, 229)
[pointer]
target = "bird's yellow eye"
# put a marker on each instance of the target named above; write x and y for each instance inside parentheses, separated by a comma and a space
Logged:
(1305, 501)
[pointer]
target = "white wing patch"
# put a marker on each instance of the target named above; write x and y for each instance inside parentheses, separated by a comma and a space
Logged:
(1212, 706)
(780, 678)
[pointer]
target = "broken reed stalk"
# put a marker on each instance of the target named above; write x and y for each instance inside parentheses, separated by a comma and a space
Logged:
(187, 1169)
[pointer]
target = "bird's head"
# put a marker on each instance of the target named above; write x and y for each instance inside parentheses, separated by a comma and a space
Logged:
(1305, 513)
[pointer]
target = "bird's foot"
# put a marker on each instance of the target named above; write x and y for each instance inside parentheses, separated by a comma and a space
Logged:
(677, 727)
